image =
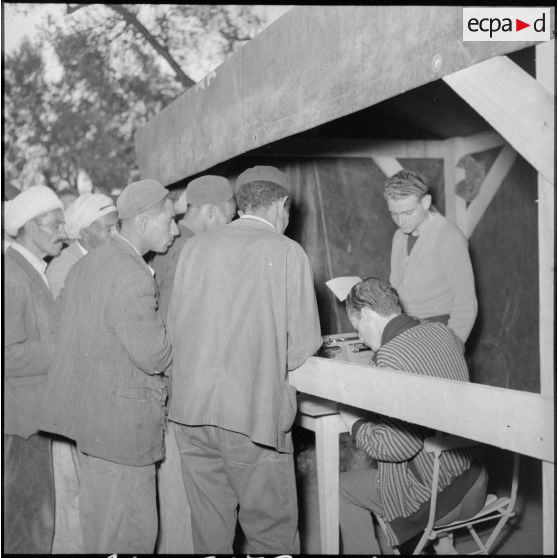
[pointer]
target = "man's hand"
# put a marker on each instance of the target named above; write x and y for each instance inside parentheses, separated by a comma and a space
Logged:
(350, 415)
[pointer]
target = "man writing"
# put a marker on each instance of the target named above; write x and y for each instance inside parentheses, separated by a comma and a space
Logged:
(242, 313)
(398, 487)
(35, 222)
(105, 389)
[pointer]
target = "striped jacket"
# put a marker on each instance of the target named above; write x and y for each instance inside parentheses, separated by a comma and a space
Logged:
(404, 469)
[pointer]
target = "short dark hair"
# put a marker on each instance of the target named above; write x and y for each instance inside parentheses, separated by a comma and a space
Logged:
(376, 294)
(405, 183)
(260, 194)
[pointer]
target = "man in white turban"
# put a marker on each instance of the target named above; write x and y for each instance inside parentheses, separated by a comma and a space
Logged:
(35, 221)
(90, 221)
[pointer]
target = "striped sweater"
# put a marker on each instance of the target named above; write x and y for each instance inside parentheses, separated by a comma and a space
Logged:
(404, 469)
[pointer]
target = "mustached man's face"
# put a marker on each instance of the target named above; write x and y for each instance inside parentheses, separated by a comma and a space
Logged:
(48, 233)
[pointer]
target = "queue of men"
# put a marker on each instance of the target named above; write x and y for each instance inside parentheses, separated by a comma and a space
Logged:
(148, 407)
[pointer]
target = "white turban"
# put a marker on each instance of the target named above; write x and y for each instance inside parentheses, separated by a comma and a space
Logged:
(86, 209)
(26, 206)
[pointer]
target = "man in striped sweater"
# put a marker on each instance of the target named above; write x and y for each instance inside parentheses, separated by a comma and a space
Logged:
(397, 488)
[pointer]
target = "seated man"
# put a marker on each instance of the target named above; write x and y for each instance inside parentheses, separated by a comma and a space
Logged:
(398, 487)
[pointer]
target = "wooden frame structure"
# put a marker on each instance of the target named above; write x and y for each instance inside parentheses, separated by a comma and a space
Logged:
(290, 78)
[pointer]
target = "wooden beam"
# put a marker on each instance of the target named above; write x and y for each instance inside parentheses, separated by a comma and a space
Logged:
(357, 148)
(546, 68)
(514, 104)
(388, 165)
(490, 185)
(513, 420)
(455, 205)
(476, 143)
(313, 65)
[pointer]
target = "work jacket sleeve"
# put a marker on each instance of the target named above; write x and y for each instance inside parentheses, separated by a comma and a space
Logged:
(303, 332)
(138, 326)
(23, 355)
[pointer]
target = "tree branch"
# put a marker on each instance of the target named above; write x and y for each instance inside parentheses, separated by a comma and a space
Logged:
(132, 20)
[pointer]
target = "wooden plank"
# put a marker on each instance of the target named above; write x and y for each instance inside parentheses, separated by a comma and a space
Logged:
(510, 419)
(313, 65)
(546, 69)
(327, 468)
(357, 148)
(490, 185)
(388, 165)
(455, 205)
(476, 143)
(514, 104)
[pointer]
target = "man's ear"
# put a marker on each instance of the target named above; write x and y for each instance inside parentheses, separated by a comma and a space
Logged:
(142, 222)
(367, 314)
(426, 202)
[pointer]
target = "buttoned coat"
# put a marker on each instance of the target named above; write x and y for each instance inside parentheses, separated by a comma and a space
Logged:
(28, 343)
(105, 389)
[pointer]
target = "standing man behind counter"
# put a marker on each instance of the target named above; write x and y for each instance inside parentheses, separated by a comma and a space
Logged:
(430, 265)
(105, 389)
(35, 221)
(242, 314)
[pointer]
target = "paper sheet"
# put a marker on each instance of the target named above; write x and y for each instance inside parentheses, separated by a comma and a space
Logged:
(341, 286)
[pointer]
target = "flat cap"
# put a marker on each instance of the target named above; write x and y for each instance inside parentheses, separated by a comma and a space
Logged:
(139, 196)
(264, 173)
(209, 189)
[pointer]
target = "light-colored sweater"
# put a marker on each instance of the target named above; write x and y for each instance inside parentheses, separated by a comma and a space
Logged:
(437, 277)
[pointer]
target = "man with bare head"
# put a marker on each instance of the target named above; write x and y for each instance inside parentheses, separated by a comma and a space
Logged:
(113, 403)
(35, 223)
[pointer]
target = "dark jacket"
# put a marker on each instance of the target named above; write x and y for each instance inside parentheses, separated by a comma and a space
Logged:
(104, 389)
(242, 313)
(28, 343)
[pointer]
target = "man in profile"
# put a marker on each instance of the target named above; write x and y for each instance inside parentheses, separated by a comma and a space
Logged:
(35, 223)
(398, 487)
(91, 220)
(105, 389)
(242, 314)
(210, 203)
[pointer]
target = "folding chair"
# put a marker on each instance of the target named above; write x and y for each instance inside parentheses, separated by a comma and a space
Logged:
(500, 509)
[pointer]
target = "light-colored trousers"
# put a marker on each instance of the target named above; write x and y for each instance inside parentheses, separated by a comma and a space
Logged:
(67, 527)
(175, 529)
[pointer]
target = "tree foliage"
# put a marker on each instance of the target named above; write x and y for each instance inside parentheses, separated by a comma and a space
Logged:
(115, 65)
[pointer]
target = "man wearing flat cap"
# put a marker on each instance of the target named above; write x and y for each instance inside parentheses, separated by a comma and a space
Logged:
(90, 221)
(242, 314)
(105, 388)
(35, 223)
(210, 203)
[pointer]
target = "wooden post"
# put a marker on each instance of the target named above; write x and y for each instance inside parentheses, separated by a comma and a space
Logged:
(545, 76)
(455, 206)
